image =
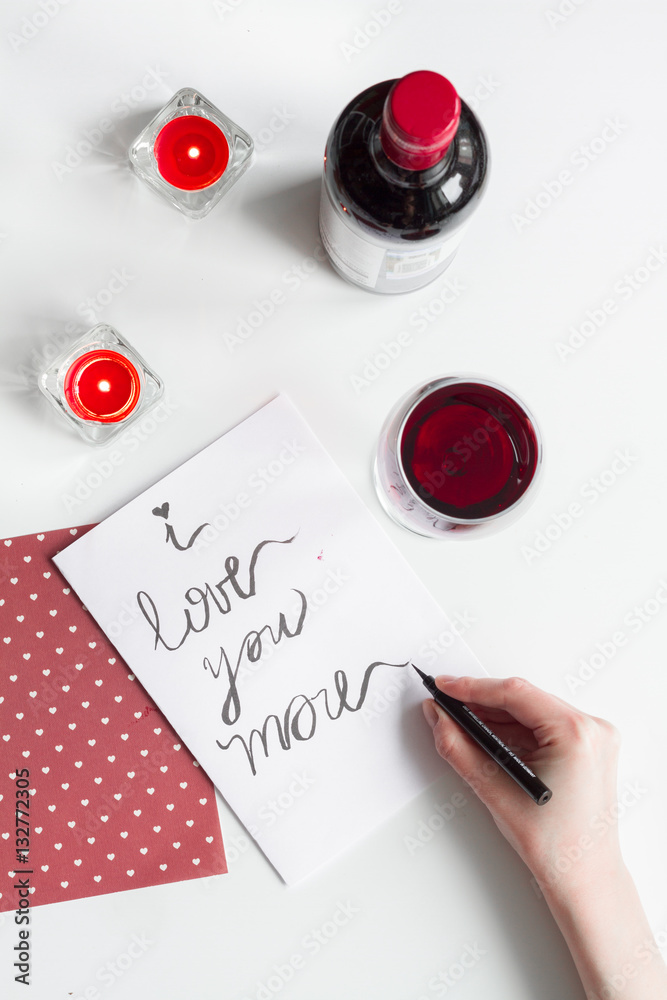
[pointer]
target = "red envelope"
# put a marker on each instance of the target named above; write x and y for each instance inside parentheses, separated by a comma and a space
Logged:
(114, 800)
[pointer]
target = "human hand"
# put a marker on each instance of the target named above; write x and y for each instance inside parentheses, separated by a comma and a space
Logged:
(574, 754)
(571, 842)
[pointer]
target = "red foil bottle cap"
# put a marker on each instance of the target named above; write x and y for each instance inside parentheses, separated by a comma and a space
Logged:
(420, 119)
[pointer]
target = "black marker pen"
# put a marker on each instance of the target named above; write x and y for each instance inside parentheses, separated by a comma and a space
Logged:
(488, 741)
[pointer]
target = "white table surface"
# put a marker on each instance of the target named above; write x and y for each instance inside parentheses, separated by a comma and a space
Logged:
(546, 87)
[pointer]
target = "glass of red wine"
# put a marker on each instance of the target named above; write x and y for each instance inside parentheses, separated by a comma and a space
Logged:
(459, 454)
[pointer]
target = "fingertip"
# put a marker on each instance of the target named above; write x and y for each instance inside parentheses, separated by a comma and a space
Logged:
(430, 711)
(444, 681)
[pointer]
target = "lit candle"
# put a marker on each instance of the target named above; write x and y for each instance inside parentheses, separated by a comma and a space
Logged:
(103, 386)
(191, 152)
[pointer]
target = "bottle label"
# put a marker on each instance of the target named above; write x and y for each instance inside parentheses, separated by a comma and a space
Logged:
(357, 258)
(367, 261)
(406, 263)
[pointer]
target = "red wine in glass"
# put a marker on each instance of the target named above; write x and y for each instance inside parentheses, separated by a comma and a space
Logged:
(457, 453)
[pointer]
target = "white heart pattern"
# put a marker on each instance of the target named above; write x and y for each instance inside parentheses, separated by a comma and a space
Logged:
(85, 748)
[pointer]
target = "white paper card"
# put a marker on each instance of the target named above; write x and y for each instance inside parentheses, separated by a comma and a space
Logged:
(273, 622)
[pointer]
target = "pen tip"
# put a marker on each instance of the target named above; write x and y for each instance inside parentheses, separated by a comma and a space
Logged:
(421, 673)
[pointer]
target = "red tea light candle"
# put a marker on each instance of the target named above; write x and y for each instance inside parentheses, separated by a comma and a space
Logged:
(103, 386)
(191, 152)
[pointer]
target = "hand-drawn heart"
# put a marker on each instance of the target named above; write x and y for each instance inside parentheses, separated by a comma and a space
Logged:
(162, 511)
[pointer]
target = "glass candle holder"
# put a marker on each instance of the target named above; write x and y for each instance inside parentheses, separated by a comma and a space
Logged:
(191, 153)
(457, 455)
(101, 385)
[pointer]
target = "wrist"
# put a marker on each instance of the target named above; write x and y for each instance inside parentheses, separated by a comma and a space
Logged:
(567, 879)
(601, 918)
(560, 855)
